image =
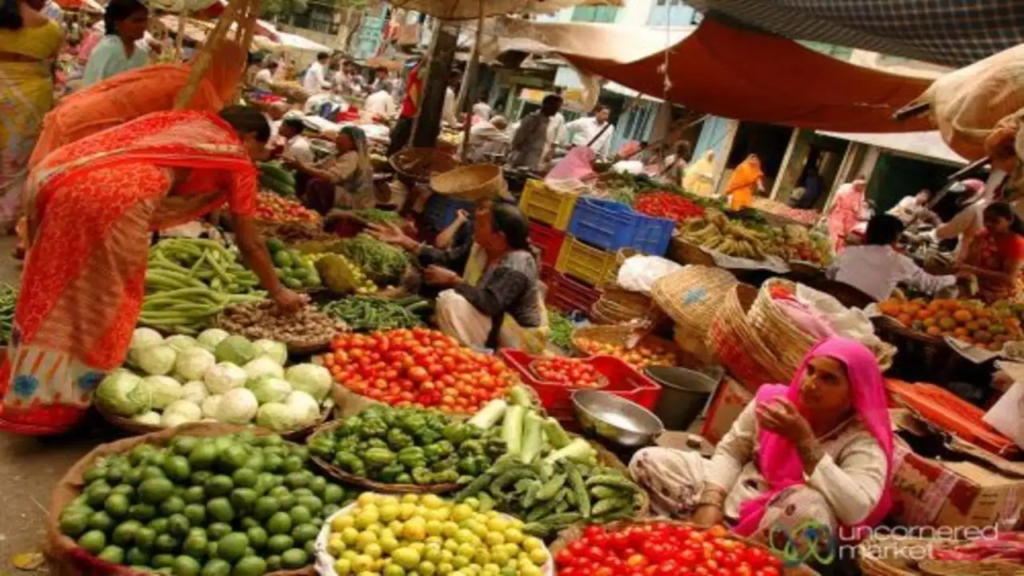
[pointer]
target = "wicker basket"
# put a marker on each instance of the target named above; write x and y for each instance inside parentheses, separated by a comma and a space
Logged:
(896, 556)
(691, 297)
(421, 163)
(292, 232)
(684, 252)
(470, 182)
(619, 336)
(739, 348)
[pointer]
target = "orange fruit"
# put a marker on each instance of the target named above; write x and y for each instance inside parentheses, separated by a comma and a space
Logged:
(935, 305)
(972, 326)
(934, 330)
(923, 314)
(950, 305)
(947, 323)
(911, 309)
(929, 322)
(890, 307)
(960, 332)
(905, 319)
(962, 316)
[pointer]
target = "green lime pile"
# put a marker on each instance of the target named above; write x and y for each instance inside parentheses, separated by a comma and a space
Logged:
(238, 505)
(291, 268)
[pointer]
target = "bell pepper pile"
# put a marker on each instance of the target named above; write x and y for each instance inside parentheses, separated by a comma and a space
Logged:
(668, 205)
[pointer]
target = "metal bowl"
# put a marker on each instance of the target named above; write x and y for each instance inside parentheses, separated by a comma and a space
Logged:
(616, 419)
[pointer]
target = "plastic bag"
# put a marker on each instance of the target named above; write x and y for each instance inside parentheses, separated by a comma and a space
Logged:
(639, 273)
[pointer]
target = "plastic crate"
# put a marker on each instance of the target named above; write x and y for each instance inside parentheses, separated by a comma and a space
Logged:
(623, 381)
(613, 225)
(584, 262)
(439, 212)
(548, 241)
(566, 294)
(546, 205)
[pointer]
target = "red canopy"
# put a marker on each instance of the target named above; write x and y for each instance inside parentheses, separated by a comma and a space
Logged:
(756, 77)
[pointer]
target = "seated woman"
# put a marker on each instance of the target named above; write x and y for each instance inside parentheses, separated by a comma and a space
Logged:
(343, 181)
(876, 267)
(996, 254)
(815, 453)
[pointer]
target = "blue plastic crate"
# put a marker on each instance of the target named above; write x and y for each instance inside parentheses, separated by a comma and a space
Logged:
(612, 225)
(439, 211)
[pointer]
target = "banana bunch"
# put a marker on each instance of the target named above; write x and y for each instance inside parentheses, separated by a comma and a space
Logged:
(718, 233)
(274, 177)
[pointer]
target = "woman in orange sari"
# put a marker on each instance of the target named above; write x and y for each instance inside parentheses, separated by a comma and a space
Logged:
(996, 256)
(744, 182)
(92, 206)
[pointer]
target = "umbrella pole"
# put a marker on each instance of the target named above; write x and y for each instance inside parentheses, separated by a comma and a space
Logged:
(179, 46)
(470, 77)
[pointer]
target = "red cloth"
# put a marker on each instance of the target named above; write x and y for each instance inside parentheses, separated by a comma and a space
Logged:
(414, 87)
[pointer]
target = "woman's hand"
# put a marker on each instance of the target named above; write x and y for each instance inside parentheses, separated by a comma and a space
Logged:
(391, 234)
(438, 276)
(782, 417)
(288, 301)
(707, 516)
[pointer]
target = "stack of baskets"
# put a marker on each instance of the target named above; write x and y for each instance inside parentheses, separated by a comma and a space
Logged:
(618, 305)
(691, 298)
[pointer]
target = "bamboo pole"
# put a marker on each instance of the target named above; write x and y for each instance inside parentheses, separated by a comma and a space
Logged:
(179, 45)
(472, 71)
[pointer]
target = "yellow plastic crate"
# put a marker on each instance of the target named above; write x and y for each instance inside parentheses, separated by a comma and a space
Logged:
(591, 265)
(543, 204)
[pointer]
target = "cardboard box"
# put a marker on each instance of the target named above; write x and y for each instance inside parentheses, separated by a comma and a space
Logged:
(729, 401)
(957, 484)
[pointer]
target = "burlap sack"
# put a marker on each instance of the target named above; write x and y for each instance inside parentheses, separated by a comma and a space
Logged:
(64, 556)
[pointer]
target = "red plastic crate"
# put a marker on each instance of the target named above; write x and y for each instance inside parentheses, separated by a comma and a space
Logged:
(623, 381)
(567, 294)
(548, 241)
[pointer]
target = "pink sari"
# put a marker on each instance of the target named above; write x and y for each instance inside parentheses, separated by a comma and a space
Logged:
(845, 215)
(778, 459)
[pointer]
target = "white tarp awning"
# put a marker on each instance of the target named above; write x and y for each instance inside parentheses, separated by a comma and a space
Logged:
(296, 42)
(927, 145)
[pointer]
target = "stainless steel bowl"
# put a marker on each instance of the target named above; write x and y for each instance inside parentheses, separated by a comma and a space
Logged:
(615, 418)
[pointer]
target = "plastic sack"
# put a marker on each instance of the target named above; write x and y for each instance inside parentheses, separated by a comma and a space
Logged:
(575, 165)
(639, 273)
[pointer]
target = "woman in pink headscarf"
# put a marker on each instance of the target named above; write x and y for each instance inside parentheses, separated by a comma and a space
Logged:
(814, 454)
(846, 212)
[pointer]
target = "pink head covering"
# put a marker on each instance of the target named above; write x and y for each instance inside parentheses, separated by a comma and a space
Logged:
(778, 459)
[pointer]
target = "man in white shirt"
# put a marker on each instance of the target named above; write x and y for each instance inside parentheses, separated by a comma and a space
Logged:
(264, 79)
(876, 268)
(315, 80)
(296, 145)
(581, 132)
(448, 113)
(381, 103)
(914, 208)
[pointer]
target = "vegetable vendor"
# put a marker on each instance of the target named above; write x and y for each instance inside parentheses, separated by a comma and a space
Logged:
(847, 210)
(996, 254)
(93, 205)
(700, 175)
(744, 182)
(818, 451)
(342, 181)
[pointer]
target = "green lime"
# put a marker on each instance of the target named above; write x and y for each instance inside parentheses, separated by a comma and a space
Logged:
(112, 554)
(300, 514)
(256, 462)
(273, 563)
(233, 457)
(310, 548)
(249, 522)
(250, 566)
(159, 525)
(186, 566)
(177, 468)
(279, 523)
(218, 530)
(140, 453)
(124, 534)
(296, 480)
(304, 533)
(96, 494)
(196, 514)
(219, 485)
(199, 478)
(184, 444)
(155, 490)
(172, 505)
(98, 472)
(163, 561)
(312, 503)
(279, 543)
(194, 495)
(93, 541)
(195, 545)
(124, 489)
(203, 456)
(101, 521)
(257, 537)
(294, 559)
(115, 474)
(142, 512)
(220, 510)
(317, 485)
(245, 478)
(302, 492)
(177, 525)
(243, 499)
(74, 523)
(272, 462)
(232, 546)
(136, 557)
(152, 471)
(166, 543)
(145, 538)
(292, 464)
(279, 492)
(264, 508)
(116, 505)
(132, 477)
(216, 567)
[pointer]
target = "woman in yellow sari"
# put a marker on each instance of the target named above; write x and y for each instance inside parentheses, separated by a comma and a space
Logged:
(744, 182)
(700, 175)
(29, 43)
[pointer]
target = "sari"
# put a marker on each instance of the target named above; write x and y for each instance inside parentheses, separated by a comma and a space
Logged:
(93, 205)
(991, 253)
(26, 95)
(699, 176)
(742, 183)
(845, 214)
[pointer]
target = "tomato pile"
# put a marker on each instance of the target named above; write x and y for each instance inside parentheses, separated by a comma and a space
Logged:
(644, 354)
(277, 209)
(419, 367)
(663, 549)
(668, 205)
(572, 373)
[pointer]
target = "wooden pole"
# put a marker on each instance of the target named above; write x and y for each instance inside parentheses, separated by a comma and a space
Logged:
(179, 44)
(468, 80)
(435, 84)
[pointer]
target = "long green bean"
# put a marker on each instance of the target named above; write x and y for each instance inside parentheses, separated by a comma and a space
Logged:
(365, 314)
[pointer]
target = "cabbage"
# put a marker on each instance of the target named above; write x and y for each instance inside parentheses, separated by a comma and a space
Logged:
(156, 360)
(144, 338)
(269, 389)
(210, 406)
(210, 338)
(192, 363)
(307, 411)
(237, 406)
(180, 342)
(223, 377)
(162, 390)
(277, 417)
(194, 391)
(172, 420)
(185, 408)
(263, 366)
(235, 349)
(150, 418)
(123, 394)
(311, 379)
(272, 349)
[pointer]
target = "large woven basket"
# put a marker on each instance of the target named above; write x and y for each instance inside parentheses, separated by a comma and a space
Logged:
(470, 182)
(898, 556)
(737, 345)
(691, 297)
(421, 163)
